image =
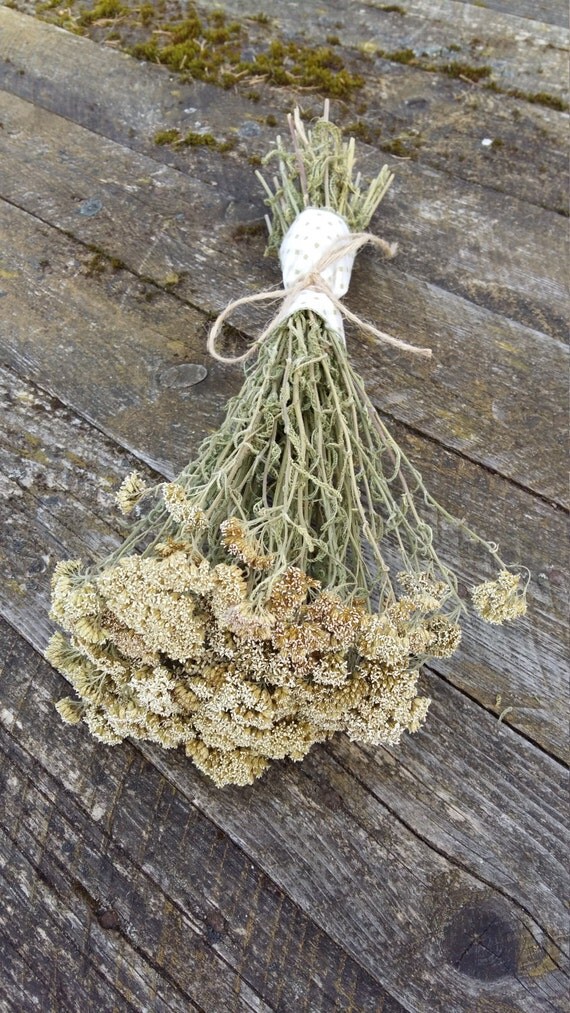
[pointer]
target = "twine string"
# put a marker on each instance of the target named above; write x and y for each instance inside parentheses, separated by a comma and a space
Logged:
(342, 247)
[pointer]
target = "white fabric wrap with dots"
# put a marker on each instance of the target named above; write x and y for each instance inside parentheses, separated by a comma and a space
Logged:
(310, 236)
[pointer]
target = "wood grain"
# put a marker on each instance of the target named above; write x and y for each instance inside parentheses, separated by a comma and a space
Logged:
(513, 48)
(425, 878)
(486, 770)
(440, 120)
(163, 424)
(493, 405)
(316, 832)
(552, 12)
(480, 811)
(114, 864)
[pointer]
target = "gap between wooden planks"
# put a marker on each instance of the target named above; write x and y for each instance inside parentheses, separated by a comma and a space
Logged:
(505, 255)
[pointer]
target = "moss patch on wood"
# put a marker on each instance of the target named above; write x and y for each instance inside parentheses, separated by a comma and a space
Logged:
(453, 68)
(362, 131)
(207, 46)
(472, 73)
(536, 97)
(193, 139)
(104, 10)
(167, 136)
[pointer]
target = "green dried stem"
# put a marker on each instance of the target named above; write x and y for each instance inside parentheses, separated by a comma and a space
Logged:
(318, 171)
(303, 457)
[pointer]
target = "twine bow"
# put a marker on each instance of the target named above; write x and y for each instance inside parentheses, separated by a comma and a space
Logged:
(313, 280)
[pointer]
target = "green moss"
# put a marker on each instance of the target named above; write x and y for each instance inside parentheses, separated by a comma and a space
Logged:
(360, 130)
(49, 5)
(454, 48)
(218, 18)
(466, 71)
(399, 148)
(261, 18)
(393, 9)
(167, 136)
(541, 98)
(103, 11)
(145, 51)
(291, 63)
(207, 47)
(536, 97)
(453, 68)
(398, 55)
(255, 159)
(253, 96)
(248, 230)
(96, 265)
(170, 280)
(271, 120)
(190, 28)
(193, 140)
(100, 260)
(462, 70)
(147, 13)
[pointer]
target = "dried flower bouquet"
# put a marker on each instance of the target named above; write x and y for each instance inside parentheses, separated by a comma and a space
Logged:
(252, 610)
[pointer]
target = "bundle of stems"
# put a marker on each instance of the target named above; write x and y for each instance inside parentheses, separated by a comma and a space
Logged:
(286, 585)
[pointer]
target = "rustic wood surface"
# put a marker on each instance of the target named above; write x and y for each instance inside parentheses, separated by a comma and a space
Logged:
(428, 877)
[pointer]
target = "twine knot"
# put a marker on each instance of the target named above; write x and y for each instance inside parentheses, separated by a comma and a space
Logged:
(317, 254)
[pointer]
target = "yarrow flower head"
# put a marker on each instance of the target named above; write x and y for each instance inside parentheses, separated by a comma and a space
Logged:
(502, 599)
(185, 656)
(130, 493)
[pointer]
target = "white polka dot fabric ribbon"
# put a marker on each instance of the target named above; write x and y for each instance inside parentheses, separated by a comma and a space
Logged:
(308, 239)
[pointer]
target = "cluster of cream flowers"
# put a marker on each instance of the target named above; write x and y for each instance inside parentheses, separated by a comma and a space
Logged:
(499, 600)
(170, 647)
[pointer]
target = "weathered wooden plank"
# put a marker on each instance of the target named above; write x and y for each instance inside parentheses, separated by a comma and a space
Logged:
(519, 53)
(339, 854)
(56, 972)
(442, 120)
(492, 402)
(481, 896)
(512, 666)
(153, 883)
(72, 472)
(456, 714)
(551, 12)
(475, 778)
(129, 102)
(169, 881)
(486, 809)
